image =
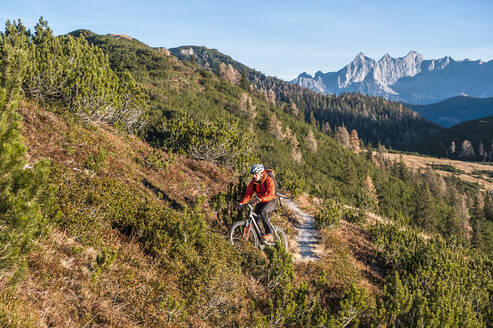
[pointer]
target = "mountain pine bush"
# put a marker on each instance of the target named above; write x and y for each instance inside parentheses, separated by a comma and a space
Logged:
(220, 142)
(22, 221)
(330, 215)
(72, 74)
(433, 283)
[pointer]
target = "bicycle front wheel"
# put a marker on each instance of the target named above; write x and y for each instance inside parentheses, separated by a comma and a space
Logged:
(280, 236)
(242, 234)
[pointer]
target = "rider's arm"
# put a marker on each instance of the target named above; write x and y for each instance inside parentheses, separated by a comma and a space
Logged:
(248, 194)
(271, 191)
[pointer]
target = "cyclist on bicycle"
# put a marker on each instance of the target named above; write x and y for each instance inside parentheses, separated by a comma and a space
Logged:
(265, 200)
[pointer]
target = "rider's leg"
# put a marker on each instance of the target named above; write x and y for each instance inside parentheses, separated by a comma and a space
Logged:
(264, 210)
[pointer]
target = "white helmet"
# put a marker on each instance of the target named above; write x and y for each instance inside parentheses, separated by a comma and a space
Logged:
(256, 168)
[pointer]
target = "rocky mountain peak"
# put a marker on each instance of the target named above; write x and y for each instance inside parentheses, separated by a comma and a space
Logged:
(361, 59)
(413, 54)
(385, 57)
(305, 75)
(410, 78)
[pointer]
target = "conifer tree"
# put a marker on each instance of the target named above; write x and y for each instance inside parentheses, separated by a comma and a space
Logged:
(244, 82)
(488, 206)
(21, 218)
(476, 216)
(423, 215)
(467, 149)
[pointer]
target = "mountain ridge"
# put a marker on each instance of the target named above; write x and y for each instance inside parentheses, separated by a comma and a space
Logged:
(410, 78)
(455, 110)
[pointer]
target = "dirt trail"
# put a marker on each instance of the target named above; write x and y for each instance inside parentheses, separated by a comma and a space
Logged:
(308, 247)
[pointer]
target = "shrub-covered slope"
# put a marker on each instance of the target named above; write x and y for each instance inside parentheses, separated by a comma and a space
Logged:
(375, 119)
(129, 230)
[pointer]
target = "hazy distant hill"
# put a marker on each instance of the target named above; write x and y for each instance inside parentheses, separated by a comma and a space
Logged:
(410, 79)
(376, 119)
(455, 110)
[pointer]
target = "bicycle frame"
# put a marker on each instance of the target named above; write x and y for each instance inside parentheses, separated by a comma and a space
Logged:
(252, 220)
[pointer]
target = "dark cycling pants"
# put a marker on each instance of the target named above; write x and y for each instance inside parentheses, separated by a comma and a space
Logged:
(263, 210)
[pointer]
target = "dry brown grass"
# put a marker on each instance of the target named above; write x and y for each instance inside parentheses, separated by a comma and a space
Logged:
(421, 162)
(65, 287)
(70, 144)
(364, 255)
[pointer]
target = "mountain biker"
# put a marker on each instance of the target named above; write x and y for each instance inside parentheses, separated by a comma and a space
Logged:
(265, 200)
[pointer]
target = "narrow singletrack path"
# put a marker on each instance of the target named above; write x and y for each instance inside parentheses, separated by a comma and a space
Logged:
(308, 247)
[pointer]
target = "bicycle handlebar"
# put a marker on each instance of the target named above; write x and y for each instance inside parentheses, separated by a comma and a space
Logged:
(248, 205)
(280, 196)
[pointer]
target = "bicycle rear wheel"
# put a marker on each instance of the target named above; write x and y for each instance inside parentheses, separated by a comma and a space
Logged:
(241, 234)
(280, 236)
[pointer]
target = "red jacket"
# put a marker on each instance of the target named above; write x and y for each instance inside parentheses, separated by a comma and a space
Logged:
(265, 189)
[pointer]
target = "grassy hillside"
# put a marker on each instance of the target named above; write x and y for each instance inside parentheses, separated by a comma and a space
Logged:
(130, 223)
(456, 110)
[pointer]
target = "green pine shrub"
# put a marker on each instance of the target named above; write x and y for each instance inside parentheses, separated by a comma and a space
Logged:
(434, 283)
(354, 215)
(156, 159)
(220, 142)
(97, 160)
(23, 189)
(291, 181)
(330, 215)
(75, 76)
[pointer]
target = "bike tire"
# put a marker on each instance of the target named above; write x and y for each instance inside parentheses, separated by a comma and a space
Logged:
(280, 236)
(236, 235)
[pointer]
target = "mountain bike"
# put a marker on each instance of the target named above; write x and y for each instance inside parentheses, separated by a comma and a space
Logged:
(248, 232)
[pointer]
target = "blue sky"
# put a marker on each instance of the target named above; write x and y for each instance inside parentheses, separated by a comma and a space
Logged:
(281, 38)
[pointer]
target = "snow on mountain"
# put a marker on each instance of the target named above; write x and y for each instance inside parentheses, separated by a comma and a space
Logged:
(409, 78)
